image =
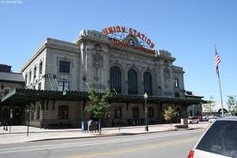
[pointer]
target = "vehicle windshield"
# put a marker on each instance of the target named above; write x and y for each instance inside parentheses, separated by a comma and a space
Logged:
(221, 139)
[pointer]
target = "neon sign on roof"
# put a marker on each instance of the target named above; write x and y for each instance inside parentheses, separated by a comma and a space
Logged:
(122, 29)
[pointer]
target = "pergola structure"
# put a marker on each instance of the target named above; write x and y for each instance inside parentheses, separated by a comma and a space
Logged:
(26, 96)
(23, 98)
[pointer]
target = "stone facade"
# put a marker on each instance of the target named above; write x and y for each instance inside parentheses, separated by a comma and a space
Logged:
(65, 66)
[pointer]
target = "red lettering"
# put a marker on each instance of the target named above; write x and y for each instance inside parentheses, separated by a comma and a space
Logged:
(142, 36)
(117, 29)
(114, 29)
(139, 35)
(148, 41)
(110, 30)
(135, 32)
(152, 45)
(122, 28)
(145, 39)
(147, 50)
(130, 31)
(105, 32)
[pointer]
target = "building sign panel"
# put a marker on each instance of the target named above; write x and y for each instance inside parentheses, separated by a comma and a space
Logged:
(129, 37)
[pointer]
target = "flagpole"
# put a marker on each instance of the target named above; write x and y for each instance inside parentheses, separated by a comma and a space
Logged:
(217, 62)
(219, 80)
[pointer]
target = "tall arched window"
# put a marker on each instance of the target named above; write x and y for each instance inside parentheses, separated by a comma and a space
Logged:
(147, 83)
(132, 82)
(115, 79)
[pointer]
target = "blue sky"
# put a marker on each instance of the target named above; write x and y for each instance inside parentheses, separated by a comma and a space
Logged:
(187, 28)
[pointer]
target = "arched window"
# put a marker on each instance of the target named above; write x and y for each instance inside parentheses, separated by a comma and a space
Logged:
(132, 82)
(115, 79)
(147, 83)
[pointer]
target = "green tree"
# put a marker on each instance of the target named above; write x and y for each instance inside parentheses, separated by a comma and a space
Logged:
(169, 114)
(232, 104)
(98, 106)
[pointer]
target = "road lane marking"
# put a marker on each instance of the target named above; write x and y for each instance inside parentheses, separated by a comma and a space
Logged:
(83, 144)
(138, 148)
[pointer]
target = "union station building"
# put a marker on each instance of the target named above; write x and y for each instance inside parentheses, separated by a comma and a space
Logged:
(122, 60)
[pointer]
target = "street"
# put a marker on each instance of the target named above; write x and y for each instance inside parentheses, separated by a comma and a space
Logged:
(162, 144)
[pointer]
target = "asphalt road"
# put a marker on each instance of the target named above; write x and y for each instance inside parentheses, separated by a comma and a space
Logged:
(163, 144)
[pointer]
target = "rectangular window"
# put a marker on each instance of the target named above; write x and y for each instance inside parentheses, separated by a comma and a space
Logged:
(35, 69)
(26, 79)
(39, 86)
(40, 67)
(64, 66)
(63, 85)
(135, 112)
(176, 83)
(117, 113)
(30, 76)
(63, 112)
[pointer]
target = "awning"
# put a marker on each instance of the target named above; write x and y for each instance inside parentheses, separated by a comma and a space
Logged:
(19, 96)
(25, 96)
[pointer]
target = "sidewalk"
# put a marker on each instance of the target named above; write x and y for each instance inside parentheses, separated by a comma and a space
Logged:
(18, 134)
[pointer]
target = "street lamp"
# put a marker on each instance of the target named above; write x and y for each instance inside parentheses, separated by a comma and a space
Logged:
(28, 122)
(146, 121)
(64, 92)
(10, 121)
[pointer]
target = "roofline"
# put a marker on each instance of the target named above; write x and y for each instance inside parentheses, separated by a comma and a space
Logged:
(41, 48)
(35, 55)
(114, 46)
(8, 95)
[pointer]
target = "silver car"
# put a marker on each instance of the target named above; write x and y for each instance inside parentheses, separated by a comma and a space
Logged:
(218, 141)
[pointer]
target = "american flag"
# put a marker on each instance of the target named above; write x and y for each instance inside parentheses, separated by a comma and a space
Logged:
(217, 60)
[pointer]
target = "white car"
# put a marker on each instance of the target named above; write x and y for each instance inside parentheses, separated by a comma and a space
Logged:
(193, 120)
(213, 118)
(218, 141)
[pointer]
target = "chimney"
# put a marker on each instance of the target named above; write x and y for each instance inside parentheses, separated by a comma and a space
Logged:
(5, 68)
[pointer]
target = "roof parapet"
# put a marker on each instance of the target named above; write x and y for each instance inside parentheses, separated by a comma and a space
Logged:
(93, 34)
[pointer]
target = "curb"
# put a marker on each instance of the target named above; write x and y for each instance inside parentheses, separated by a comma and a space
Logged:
(108, 132)
(109, 135)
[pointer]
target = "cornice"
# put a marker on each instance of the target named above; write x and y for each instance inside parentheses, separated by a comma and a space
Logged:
(116, 47)
(41, 48)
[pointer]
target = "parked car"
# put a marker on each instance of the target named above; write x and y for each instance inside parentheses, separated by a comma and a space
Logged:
(212, 118)
(193, 120)
(218, 141)
(204, 118)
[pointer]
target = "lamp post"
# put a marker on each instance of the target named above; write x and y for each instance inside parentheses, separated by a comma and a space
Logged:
(28, 122)
(64, 92)
(10, 121)
(146, 121)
